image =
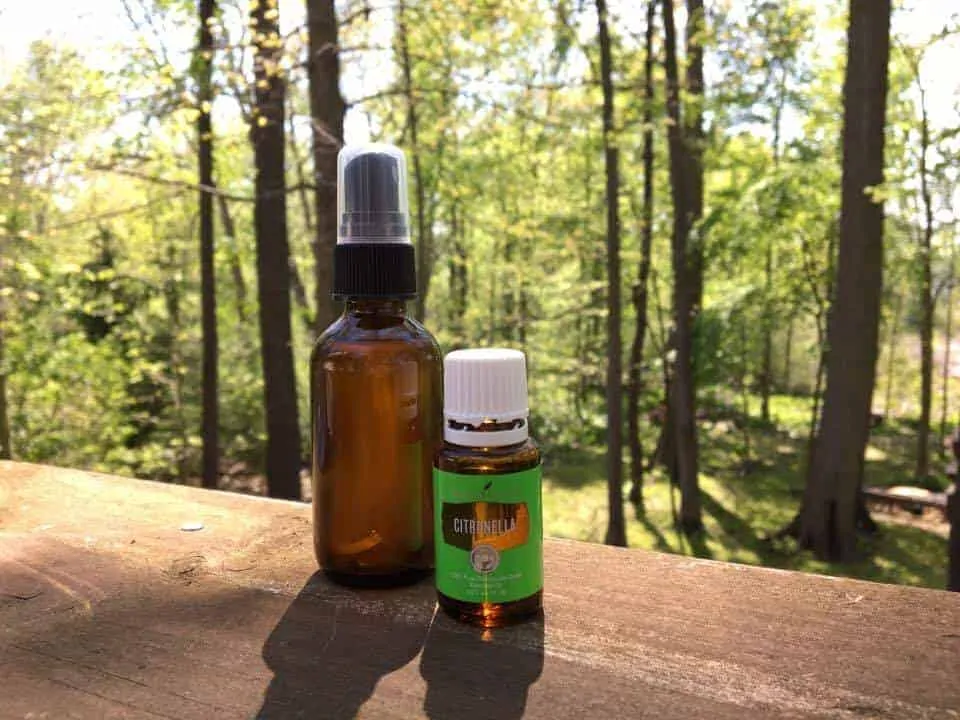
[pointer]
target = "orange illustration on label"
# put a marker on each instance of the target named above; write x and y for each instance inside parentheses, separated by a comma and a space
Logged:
(500, 526)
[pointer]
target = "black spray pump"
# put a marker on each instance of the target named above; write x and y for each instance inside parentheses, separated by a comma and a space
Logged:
(374, 257)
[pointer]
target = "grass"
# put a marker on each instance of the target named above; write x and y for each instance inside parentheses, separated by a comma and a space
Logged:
(745, 499)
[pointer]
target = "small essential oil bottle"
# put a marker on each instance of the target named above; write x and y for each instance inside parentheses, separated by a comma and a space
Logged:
(488, 518)
(375, 389)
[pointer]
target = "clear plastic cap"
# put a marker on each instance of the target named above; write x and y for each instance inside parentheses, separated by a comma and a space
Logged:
(372, 200)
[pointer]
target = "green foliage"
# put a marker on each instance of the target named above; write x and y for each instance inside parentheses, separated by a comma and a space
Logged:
(99, 276)
(742, 507)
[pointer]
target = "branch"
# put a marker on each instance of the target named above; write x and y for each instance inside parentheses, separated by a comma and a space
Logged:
(157, 35)
(365, 12)
(210, 189)
(115, 213)
(484, 101)
(157, 180)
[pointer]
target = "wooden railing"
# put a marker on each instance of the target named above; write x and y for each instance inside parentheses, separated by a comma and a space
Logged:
(131, 599)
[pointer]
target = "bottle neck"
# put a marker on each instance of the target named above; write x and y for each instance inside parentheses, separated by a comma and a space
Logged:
(375, 306)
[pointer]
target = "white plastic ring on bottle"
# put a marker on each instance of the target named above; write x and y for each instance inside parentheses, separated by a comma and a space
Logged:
(485, 385)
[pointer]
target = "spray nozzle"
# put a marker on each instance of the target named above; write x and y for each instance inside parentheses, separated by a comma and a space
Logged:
(372, 194)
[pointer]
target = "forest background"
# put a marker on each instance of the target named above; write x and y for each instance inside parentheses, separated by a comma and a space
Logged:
(724, 233)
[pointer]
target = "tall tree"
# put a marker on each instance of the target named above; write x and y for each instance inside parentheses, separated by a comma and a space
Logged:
(694, 142)
(947, 345)
(784, 34)
(892, 346)
(458, 279)
(9, 230)
(5, 451)
(640, 290)
(203, 71)
(616, 528)
(327, 109)
(297, 287)
(424, 248)
(829, 513)
(229, 233)
(687, 288)
(273, 254)
(927, 304)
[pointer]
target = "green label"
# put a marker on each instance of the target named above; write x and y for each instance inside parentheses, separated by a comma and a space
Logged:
(489, 535)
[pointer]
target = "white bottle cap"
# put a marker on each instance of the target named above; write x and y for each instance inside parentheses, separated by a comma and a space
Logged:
(485, 386)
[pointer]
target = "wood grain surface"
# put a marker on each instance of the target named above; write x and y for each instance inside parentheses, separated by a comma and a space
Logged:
(109, 609)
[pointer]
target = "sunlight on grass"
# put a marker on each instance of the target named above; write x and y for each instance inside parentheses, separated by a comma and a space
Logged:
(744, 503)
(874, 454)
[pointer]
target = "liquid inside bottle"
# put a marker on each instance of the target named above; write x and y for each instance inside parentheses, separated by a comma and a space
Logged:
(375, 380)
(376, 384)
(488, 516)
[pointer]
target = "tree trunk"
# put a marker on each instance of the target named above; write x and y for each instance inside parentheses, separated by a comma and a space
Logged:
(947, 343)
(299, 171)
(6, 452)
(788, 353)
(523, 305)
(208, 298)
(766, 370)
(828, 516)
(424, 249)
(492, 296)
(926, 302)
(236, 271)
(273, 257)
(746, 455)
(590, 272)
(694, 141)
(327, 109)
(457, 280)
(953, 515)
(585, 322)
(892, 352)
(817, 400)
(686, 292)
(823, 311)
(172, 267)
(664, 453)
(299, 290)
(508, 292)
(641, 290)
(616, 528)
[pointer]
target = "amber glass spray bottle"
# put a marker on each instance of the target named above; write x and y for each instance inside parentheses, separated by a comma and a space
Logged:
(375, 389)
(488, 515)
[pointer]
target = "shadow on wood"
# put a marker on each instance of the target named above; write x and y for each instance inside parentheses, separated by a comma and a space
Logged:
(331, 648)
(473, 674)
